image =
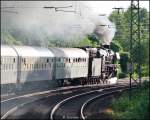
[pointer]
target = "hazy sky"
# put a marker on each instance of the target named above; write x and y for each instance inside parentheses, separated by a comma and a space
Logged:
(30, 19)
(105, 7)
(98, 7)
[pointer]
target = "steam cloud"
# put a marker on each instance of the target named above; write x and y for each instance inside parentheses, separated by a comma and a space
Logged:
(36, 23)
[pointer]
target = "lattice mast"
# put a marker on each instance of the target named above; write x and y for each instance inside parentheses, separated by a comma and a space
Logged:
(135, 41)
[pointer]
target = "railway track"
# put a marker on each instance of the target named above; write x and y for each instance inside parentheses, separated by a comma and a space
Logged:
(13, 104)
(72, 107)
(97, 104)
(42, 105)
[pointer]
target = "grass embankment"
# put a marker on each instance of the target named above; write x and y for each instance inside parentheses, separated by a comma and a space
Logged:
(136, 108)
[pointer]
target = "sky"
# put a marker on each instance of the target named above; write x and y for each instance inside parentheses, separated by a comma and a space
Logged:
(105, 7)
(98, 7)
(34, 21)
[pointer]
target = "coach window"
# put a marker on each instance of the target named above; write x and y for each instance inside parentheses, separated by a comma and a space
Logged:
(24, 60)
(64, 64)
(63, 60)
(6, 66)
(4, 60)
(7, 60)
(73, 60)
(12, 67)
(1, 61)
(42, 66)
(59, 59)
(36, 65)
(9, 66)
(3, 66)
(69, 60)
(14, 60)
(32, 67)
(47, 60)
(27, 66)
(78, 59)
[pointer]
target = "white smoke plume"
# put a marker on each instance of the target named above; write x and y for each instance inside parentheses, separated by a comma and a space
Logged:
(36, 23)
(104, 29)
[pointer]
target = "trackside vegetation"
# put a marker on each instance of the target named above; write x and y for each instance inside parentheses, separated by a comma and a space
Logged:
(136, 108)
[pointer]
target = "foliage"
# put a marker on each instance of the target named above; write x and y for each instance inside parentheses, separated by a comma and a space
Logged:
(122, 22)
(94, 40)
(145, 70)
(122, 75)
(9, 39)
(115, 46)
(85, 42)
(124, 59)
(136, 108)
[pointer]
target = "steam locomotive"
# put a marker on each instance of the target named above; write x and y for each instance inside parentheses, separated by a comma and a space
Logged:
(26, 67)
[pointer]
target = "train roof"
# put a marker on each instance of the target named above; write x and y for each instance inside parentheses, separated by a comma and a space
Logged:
(7, 51)
(28, 51)
(69, 52)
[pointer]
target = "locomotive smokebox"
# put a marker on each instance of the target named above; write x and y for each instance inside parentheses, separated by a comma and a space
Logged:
(106, 46)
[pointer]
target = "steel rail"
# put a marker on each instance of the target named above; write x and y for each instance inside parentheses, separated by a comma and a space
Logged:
(44, 92)
(96, 97)
(56, 107)
(39, 93)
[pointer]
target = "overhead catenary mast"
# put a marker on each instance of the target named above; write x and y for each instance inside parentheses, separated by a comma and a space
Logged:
(135, 41)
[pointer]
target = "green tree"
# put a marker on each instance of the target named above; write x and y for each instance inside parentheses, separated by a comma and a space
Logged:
(115, 46)
(8, 39)
(122, 22)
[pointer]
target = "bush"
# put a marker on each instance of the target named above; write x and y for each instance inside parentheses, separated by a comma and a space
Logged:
(136, 108)
(122, 75)
(145, 71)
(115, 46)
(124, 58)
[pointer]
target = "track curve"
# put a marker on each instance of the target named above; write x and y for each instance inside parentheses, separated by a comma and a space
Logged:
(48, 99)
(69, 108)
